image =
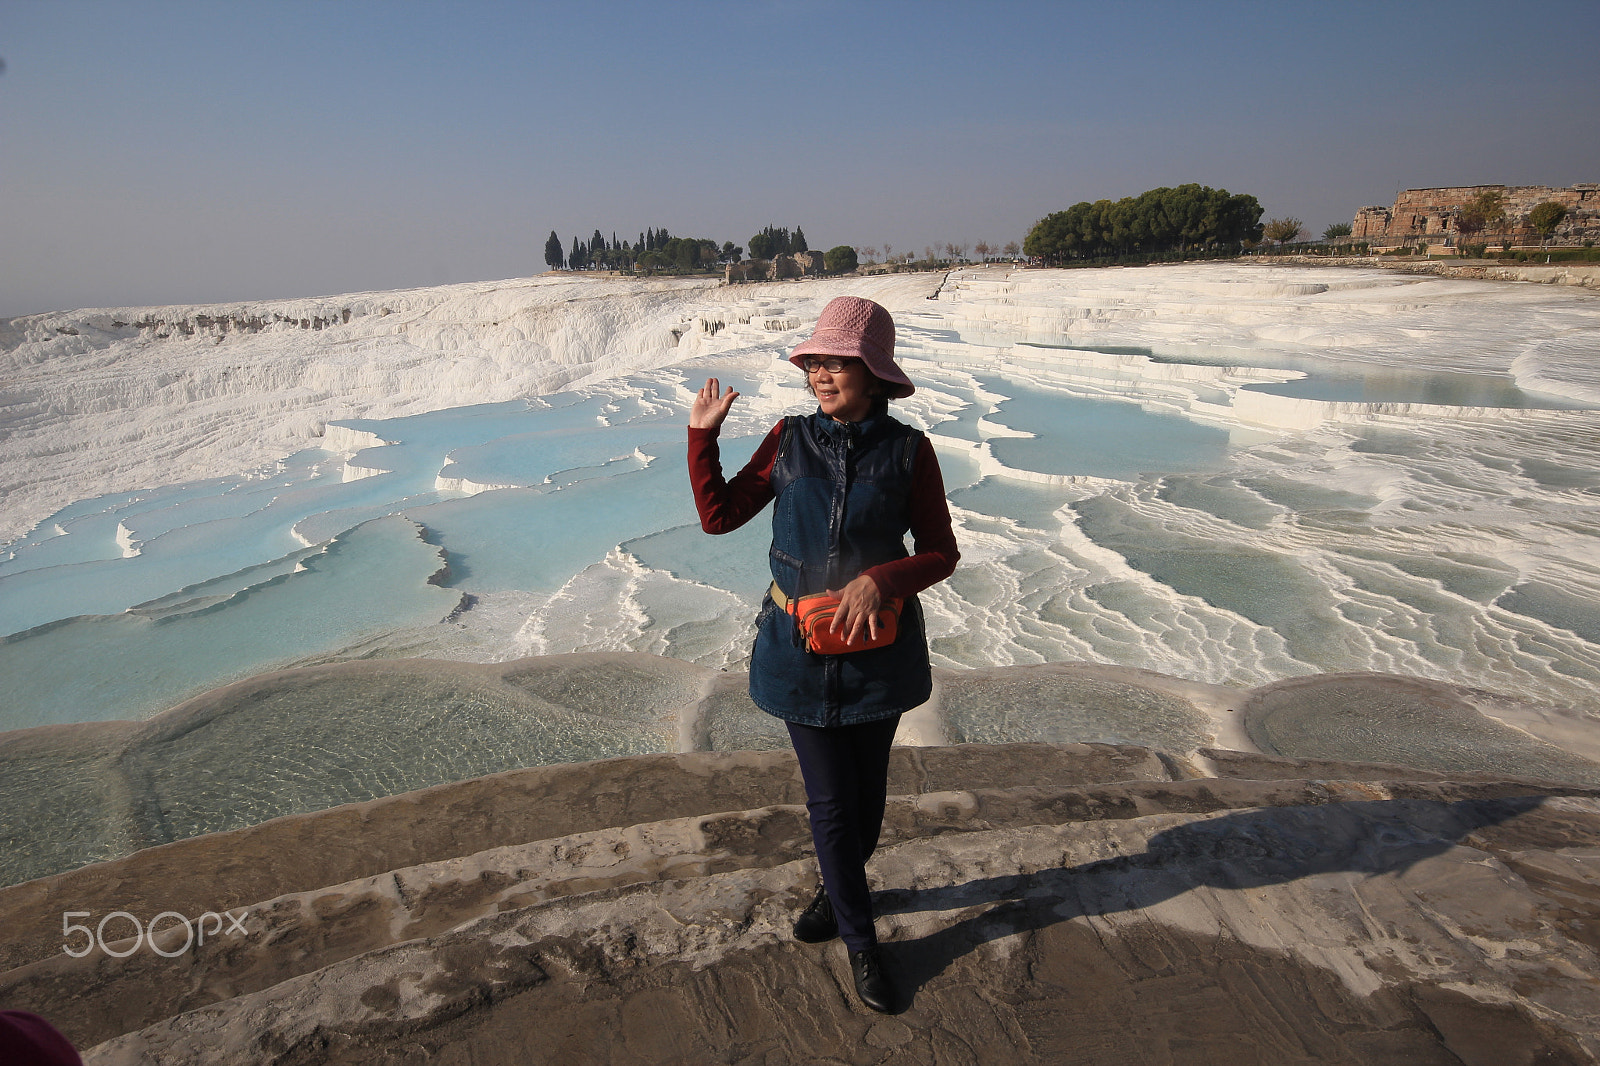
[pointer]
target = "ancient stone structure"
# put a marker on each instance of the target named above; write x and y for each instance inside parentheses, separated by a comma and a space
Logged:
(1430, 214)
(783, 267)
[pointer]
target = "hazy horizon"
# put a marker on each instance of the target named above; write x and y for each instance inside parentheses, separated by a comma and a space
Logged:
(183, 152)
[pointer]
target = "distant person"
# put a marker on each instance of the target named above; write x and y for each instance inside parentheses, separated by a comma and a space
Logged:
(28, 1040)
(840, 651)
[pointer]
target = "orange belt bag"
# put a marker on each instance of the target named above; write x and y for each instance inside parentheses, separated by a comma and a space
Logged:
(814, 614)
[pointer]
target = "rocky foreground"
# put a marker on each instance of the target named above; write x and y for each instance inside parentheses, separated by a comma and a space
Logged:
(1041, 903)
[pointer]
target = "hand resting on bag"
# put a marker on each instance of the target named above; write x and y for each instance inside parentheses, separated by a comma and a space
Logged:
(857, 617)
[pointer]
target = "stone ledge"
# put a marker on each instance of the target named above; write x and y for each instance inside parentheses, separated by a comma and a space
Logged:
(302, 852)
(95, 999)
(1355, 932)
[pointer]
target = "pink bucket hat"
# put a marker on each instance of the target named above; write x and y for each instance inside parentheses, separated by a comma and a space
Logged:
(856, 327)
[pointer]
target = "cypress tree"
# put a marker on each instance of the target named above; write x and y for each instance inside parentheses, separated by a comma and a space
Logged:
(553, 257)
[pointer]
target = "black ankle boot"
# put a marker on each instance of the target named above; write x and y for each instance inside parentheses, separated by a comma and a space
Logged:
(816, 923)
(872, 984)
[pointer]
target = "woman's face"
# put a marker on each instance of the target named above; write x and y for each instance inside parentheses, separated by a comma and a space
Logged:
(845, 394)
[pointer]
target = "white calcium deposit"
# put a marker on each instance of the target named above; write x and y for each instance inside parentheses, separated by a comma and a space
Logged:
(1227, 473)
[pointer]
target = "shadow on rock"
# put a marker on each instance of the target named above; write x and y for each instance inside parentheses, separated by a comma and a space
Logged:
(1247, 849)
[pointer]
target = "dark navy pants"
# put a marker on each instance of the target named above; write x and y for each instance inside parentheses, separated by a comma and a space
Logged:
(846, 771)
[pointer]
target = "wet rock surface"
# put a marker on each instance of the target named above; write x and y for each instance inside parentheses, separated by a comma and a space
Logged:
(1054, 704)
(1177, 900)
(298, 741)
(1082, 903)
(1409, 721)
(306, 740)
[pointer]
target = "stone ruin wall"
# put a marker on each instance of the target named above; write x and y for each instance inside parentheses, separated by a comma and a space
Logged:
(1425, 213)
(781, 268)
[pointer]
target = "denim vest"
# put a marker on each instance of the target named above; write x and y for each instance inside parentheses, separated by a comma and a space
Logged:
(842, 504)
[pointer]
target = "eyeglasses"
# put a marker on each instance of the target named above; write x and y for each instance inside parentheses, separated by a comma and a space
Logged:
(832, 364)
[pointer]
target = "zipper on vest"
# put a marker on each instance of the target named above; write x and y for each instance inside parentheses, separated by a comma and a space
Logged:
(841, 486)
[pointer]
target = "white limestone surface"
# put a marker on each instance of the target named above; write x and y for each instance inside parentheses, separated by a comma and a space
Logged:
(1231, 474)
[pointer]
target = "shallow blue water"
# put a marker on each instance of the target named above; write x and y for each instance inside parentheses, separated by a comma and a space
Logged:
(1450, 390)
(134, 664)
(537, 538)
(1354, 383)
(1101, 438)
(602, 472)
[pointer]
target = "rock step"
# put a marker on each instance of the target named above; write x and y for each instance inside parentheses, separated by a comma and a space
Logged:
(1443, 927)
(302, 852)
(101, 996)
(298, 853)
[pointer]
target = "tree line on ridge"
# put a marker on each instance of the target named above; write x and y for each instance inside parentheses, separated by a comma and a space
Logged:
(1189, 219)
(657, 250)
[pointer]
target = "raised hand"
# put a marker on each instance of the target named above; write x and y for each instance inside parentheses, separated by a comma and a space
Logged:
(710, 409)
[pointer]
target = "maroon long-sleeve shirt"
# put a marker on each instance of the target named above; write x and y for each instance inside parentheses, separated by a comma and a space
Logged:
(726, 505)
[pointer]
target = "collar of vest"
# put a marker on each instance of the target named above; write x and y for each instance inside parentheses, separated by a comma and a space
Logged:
(867, 427)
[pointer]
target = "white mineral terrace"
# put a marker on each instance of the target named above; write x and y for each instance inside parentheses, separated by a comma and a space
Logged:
(1229, 474)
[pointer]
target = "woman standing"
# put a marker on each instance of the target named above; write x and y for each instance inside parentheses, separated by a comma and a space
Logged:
(849, 482)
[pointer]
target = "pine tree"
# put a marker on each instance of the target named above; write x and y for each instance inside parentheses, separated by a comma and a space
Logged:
(552, 252)
(799, 241)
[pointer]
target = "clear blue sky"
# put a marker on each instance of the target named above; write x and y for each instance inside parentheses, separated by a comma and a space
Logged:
(163, 152)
